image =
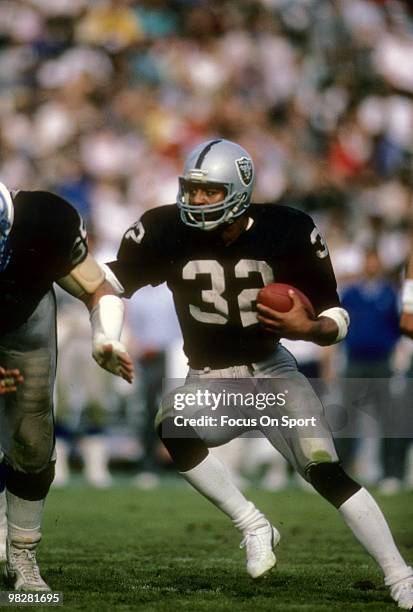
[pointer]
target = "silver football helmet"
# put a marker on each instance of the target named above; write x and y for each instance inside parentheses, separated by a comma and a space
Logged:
(217, 163)
(6, 223)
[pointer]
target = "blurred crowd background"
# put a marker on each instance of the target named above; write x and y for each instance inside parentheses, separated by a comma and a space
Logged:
(101, 100)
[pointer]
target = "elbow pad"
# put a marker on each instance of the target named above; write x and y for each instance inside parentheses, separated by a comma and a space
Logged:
(85, 278)
(341, 318)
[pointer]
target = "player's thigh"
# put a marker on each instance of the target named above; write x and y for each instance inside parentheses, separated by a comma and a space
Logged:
(198, 404)
(26, 420)
(296, 424)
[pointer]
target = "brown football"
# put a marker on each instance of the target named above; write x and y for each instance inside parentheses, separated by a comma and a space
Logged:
(276, 296)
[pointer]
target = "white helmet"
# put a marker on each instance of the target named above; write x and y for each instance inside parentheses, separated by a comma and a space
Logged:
(217, 163)
(6, 223)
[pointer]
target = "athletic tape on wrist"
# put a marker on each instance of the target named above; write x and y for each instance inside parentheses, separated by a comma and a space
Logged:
(107, 318)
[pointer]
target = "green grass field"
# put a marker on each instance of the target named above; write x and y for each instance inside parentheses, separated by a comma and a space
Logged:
(168, 549)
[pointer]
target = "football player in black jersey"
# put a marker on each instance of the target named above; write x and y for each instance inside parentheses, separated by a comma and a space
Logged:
(42, 241)
(215, 250)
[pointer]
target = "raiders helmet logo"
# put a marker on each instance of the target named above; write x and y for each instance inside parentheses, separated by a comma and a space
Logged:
(245, 171)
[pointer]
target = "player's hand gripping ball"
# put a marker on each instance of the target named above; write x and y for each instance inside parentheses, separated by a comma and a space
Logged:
(276, 296)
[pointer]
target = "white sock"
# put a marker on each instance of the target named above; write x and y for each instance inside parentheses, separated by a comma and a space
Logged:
(212, 480)
(24, 519)
(366, 521)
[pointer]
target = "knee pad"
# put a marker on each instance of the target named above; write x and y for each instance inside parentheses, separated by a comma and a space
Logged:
(183, 444)
(32, 487)
(331, 481)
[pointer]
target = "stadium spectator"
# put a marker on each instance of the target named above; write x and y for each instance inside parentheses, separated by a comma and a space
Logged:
(372, 303)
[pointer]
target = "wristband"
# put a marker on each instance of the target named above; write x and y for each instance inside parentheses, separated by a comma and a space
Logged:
(341, 318)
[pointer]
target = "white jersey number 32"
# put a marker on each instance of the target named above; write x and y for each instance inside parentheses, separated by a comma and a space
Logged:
(214, 296)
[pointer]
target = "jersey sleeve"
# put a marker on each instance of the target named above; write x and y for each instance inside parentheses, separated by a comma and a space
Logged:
(139, 260)
(64, 238)
(311, 269)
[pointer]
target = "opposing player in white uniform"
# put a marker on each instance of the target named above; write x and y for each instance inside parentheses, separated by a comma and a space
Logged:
(216, 250)
(42, 240)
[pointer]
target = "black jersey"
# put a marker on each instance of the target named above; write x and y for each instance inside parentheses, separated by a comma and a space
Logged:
(215, 286)
(46, 241)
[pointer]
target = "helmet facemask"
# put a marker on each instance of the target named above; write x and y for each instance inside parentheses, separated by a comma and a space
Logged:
(209, 216)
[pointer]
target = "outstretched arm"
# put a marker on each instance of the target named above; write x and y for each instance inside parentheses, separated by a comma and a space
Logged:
(106, 317)
(87, 282)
